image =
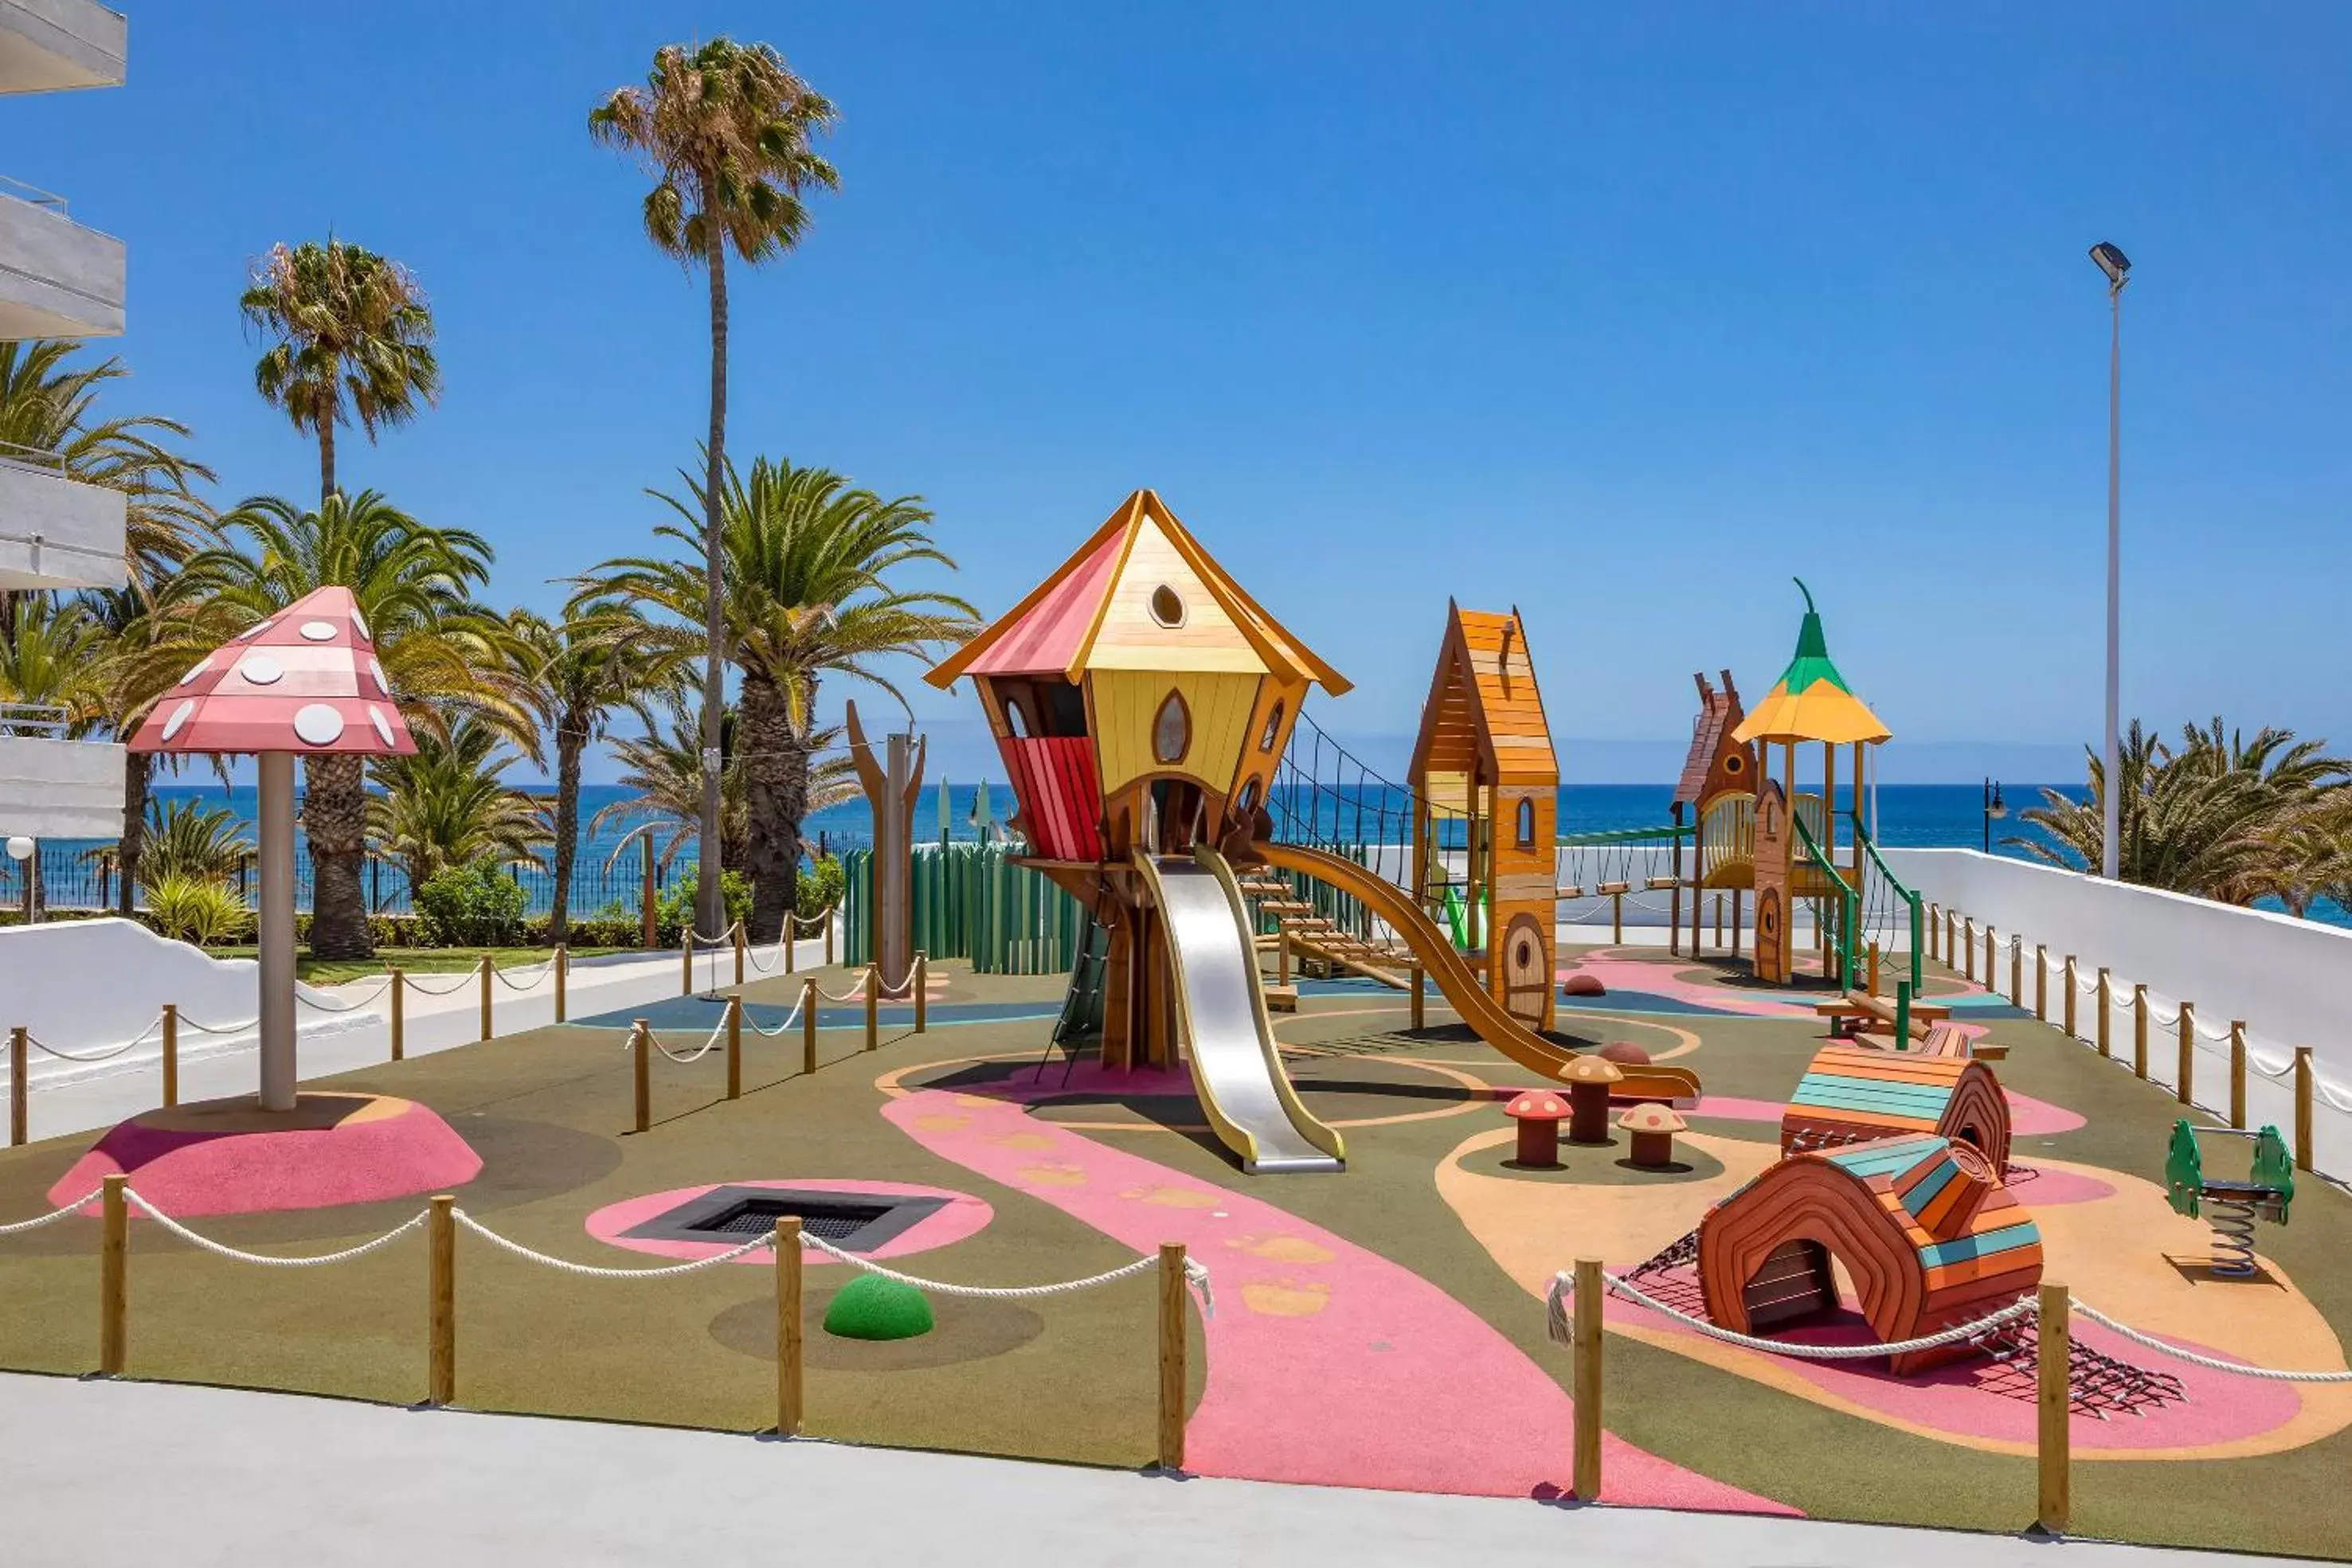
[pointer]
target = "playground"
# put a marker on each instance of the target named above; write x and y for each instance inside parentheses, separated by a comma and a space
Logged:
(1336, 1037)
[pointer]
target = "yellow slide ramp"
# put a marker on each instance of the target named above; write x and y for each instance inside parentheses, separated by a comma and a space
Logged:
(1456, 982)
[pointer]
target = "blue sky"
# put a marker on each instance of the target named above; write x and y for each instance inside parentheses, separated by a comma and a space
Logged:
(1622, 314)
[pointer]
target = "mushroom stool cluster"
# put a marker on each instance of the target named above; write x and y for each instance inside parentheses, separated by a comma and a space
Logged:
(1654, 1127)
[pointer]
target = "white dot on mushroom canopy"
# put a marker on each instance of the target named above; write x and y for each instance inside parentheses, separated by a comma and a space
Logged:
(375, 668)
(316, 723)
(256, 630)
(180, 717)
(198, 668)
(383, 724)
(261, 670)
(359, 624)
(318, 630)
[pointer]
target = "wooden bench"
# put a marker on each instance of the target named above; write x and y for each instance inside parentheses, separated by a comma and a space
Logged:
(1941, 1039)
(1853, 1010)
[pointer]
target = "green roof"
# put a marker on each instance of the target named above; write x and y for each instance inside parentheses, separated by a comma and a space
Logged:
(1811, 664)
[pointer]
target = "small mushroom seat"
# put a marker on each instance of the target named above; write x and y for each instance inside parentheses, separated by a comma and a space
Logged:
(1588, 1078)
(1538, 1112)
(1653, 1127)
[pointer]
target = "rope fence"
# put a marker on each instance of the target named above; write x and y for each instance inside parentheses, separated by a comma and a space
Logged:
(441, 1219)
(1573, 1306)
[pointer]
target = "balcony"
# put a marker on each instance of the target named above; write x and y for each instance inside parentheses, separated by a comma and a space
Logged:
(52, 788)
(50, 46)
(57, 279)
(55, 532)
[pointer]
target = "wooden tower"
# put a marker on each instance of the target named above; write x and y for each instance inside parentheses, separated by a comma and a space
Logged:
(1141, 701)
(1485, 751)
(1717, 789)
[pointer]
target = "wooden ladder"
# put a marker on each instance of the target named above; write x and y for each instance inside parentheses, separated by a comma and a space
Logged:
(1313, 933)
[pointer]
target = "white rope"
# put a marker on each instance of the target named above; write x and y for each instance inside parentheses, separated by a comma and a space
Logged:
(588, 1271)
(716, 941)
(237, 1254)
(545, 969)
(352, 1006)
(1563, 1285)
(1196, 1274)
(47, 1049)
(697, 1054)
(2211, 1362)
(465, 979)
(790, 1019)
(220, 1029)
(20, 1226)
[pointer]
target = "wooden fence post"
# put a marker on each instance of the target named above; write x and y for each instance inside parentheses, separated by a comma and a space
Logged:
(1617, 919)
(1172, 1316)
(2238, 1073)
(739, 952)
(399, 1013)
(1591, 1296)
(2302, 1107)
(873, 1006)
(1935, 924)
(2186, 1076)
(441, 1294)
(734, 1048)
(113, 1282)
(922, 990)
(789, 1405)
(1968, 948)
(2073, 993)
(2104, 1010)
(2016, 971)
(485, 996)
(562, 979)
(2041, 982)
(19, 1039)
(792, 937)
(686, 962)
(828, 938)
(171, 1054)
(641, 1049)
(2139, 1029)
(2054, 1404)
(808, 1025)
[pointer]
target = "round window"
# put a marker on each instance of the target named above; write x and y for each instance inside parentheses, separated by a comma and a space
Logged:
(1171, 730)
(1735, 763)
(1167, 606)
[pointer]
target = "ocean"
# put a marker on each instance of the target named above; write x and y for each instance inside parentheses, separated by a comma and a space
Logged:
(1915, 816)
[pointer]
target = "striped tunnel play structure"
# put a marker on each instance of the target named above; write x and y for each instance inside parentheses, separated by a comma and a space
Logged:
(1853, 1093)
(1922, 1224)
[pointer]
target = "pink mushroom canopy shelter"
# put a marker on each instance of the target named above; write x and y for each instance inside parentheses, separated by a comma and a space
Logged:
(303, 682)
(306, 680)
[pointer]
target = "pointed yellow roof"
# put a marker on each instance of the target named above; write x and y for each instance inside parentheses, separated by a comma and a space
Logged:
(1139, 594)
(1812, 700)
(1484, 704)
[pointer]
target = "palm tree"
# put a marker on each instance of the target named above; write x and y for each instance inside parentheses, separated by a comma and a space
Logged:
(576, 677)
(49, 655)
(808, 563)
(449, 805)
(725, 130)
(664, 768)
(192, 840)
(351, 337)
(48, 416)
(414, 584)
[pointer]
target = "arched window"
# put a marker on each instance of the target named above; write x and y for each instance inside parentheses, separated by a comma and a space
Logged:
(1527, 823)
(1248, 801)
(1171, 730)
(1015, 720)
(1273, 728)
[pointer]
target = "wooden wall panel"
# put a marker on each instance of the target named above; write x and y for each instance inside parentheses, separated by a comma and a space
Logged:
(1126, 702)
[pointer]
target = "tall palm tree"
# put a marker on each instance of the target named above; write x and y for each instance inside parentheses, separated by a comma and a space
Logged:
(48, 414)
(809, 564)
(351, 336)
(414, 585)
(576, 677)
(448, 805)
(664, 767)
(49, 655)
(725, 130)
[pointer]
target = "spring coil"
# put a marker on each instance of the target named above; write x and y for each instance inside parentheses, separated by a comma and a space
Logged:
(2233, 1237)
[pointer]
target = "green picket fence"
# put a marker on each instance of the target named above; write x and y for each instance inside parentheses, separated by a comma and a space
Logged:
(973, 902)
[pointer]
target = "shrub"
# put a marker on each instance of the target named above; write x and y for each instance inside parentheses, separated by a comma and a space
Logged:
(821, 887)
(476, 906)
(192, 909)
(670, 909)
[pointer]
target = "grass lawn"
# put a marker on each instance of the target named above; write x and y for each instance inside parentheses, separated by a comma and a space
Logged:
(414, 960)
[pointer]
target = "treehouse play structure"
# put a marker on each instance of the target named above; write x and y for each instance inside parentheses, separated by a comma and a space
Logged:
(1145, 707)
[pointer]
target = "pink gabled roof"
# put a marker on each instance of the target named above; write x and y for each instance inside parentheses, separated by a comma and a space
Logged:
(1047, 638)
(305, 679)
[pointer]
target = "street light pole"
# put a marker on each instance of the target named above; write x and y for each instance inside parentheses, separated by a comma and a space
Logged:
(2117, 267)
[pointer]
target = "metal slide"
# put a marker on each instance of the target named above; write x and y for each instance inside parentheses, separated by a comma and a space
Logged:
(1228, 1038)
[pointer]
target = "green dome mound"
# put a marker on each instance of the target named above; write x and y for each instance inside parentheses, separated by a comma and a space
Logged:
(870, 1307)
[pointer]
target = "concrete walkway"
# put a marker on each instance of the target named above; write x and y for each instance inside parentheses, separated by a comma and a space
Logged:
(118, 1472)
(442, 1011)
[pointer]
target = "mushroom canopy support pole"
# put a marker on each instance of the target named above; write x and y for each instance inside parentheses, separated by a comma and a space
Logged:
(277, 930)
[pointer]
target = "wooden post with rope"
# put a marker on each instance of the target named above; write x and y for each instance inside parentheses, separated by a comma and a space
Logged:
(2041, 982)
(2139, 1029)
(686, 961)
(1590, 1293)
(922, 989)
(739, 952)
(441, 1297)
(399, 1013)
(1172, 1324)
(808, 1025)
(2303, 1136)
(2055, 1399)
(1968, 950)
(2105, 1010)
(641, 1069)
(485, 996)
(171, 1054)
(2074, 991)
(2016, 971)
(2238, 1073)
(734, 1048)
(562, 979)
(113, 1277)
(873, 1007)
(19, 1039)
(2185, 1075)
(789, 1384)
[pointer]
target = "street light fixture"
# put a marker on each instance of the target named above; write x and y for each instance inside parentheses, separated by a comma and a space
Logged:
(1995, 808)
(2113, 262)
